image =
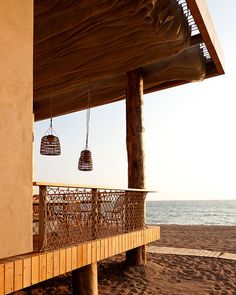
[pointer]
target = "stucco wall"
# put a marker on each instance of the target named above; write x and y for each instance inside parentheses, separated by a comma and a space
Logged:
(16, 84)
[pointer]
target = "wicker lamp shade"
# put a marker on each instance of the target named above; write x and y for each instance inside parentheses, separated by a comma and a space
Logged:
(50, 143)
(50, 146)
(85, 161)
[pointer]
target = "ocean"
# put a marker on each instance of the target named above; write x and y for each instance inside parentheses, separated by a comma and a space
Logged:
(191, 212)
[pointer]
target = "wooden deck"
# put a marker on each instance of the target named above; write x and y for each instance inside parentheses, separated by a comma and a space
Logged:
(190, 252)
(23, 271)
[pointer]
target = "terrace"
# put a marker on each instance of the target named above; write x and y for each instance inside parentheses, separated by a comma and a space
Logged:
(66, 215)
(124, 49)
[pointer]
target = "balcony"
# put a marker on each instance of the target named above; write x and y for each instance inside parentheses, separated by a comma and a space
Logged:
(66, 215)
(75, 227)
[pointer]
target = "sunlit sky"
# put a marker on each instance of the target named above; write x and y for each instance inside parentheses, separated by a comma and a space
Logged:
(190, 135)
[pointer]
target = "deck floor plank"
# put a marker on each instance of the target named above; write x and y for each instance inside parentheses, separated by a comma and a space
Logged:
(190, 252)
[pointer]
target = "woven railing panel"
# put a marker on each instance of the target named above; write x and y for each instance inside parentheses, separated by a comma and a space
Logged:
(74, 215)
(35, 214)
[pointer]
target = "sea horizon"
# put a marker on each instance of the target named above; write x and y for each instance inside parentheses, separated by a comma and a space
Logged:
(186, 200)
(192, 212)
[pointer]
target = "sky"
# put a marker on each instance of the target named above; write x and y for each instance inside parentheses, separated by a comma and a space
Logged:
(190, 135)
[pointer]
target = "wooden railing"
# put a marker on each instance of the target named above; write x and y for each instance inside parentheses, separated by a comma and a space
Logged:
(65, 215)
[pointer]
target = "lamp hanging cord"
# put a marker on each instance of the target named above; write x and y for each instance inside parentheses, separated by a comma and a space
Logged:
(51, 85)
(51, 107)
(51, 102)
(88, 115)
(51, 94)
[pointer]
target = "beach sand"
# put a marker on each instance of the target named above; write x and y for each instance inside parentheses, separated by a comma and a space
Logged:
(165, 274)
(215, 238)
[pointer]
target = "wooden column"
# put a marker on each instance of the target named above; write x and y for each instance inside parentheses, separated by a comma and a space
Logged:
(85, 280)
(135, 150)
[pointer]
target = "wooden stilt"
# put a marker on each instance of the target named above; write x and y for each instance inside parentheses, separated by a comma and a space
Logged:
(136, 256)
(85, 280)
(135, 150)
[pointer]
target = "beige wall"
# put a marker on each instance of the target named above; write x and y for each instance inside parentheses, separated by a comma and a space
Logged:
(16, 76)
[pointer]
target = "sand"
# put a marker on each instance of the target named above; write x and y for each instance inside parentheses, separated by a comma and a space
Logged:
(214, 238)
(165, 274)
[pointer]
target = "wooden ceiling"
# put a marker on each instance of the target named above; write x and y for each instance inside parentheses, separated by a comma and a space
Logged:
(77, 42)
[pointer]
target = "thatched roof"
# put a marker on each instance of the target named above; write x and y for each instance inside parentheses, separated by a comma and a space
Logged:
(77, 41)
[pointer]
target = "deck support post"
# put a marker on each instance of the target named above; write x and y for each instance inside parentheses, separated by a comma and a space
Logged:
(135, 150)
(85, 280)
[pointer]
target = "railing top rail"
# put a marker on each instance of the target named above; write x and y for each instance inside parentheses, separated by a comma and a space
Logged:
(36, 183)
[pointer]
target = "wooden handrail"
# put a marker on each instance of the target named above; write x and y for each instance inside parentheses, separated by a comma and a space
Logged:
(36, 183)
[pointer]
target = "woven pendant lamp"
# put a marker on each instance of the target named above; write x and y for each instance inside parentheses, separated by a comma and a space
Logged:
(85, 160)
(50, 143)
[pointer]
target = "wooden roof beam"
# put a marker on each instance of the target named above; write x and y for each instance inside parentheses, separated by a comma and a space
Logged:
(203, 20)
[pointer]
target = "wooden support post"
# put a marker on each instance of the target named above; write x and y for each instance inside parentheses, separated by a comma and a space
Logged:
(135, 129)
(42, 215)
(135, 150)
(85, 280)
